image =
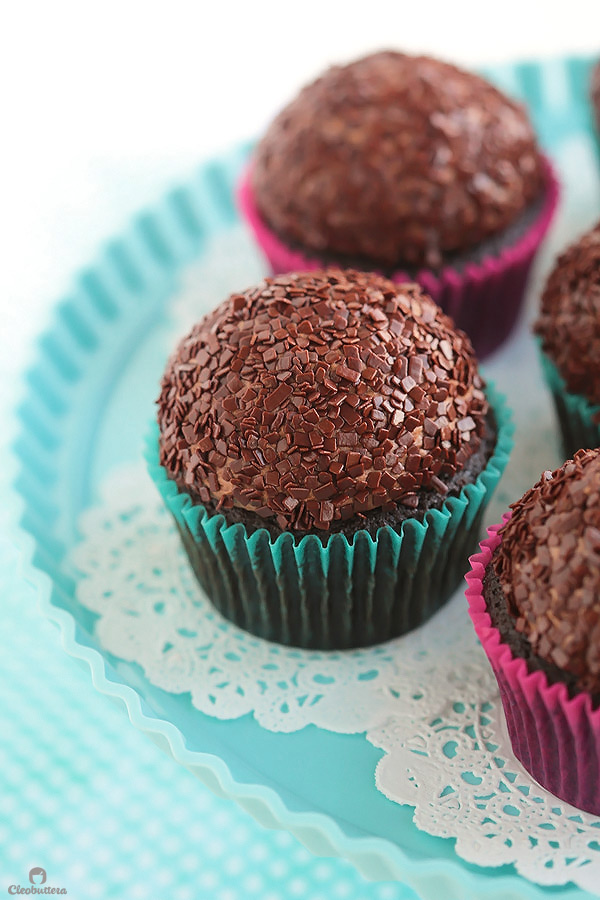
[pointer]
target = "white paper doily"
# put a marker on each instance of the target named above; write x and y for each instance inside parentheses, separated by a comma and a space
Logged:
(448, 754)
(429, 699)
(135, 576)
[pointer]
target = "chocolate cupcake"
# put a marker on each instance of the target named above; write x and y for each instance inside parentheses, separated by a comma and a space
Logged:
(569, 328)
(534, 597)
(327, 449)
(412, 167)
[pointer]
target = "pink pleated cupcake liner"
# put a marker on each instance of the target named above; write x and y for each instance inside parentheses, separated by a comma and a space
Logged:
(484, 298)
(556, 737)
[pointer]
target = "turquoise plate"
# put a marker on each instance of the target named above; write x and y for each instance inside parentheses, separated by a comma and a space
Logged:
(88, 400)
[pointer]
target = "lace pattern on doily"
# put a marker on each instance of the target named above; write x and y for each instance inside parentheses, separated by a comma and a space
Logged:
(429, 699)
(135, 576)
(448, 754)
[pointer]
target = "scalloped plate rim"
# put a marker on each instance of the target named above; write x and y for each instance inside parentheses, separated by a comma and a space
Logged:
(260, 800)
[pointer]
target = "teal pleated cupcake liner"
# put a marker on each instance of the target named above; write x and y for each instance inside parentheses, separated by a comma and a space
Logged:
(577, 418)
(344, 593)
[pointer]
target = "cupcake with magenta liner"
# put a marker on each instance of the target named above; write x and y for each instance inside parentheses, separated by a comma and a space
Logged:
(534, 597)
(568, 326)
(326, 447)
(414, 168)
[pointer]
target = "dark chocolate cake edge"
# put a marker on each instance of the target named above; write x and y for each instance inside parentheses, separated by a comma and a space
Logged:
(504, 622)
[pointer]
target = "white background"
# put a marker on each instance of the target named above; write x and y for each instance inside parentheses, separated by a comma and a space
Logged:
(105, 105)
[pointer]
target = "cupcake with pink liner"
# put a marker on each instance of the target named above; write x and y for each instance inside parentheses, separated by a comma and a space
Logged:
(414, 168)
(534, 598)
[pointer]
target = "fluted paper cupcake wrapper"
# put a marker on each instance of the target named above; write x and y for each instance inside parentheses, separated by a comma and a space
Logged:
(576, 416)
(344, 593)
(484, 298)
(556, 737)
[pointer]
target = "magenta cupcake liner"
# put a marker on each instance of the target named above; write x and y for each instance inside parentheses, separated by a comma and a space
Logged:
(484, 298)
(556, 737)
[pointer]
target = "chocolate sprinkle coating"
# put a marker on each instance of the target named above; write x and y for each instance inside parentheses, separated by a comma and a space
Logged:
(316, 397)
(518, 643)
(397, 159)
(569, 319)
(548, 566)
(375, 519)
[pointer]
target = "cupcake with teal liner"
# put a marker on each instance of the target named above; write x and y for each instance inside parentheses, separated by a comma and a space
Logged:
(533, 595)
(326, 447)
(414, 168)
(568, 326)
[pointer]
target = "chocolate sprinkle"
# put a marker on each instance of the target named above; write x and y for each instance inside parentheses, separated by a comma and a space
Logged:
(396, 159)
(333, 422)
(548, 566)
(569, 320)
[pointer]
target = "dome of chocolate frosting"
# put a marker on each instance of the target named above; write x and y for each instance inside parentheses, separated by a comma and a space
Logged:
(316, 397)
(548, 565)
(396, 159)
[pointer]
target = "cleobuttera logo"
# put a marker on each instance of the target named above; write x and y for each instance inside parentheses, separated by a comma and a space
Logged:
(37, 875)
